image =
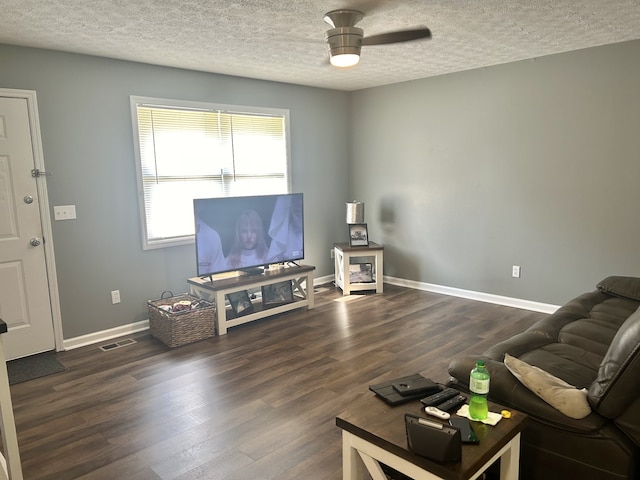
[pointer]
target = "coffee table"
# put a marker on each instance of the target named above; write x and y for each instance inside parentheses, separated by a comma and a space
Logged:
(373, 432)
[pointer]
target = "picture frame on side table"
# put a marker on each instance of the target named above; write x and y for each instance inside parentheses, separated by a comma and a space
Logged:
(240, 303)
(361, 273)
(276, 294)
(358, 236)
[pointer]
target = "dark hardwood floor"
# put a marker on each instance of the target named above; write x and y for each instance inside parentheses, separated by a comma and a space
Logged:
(258, 403)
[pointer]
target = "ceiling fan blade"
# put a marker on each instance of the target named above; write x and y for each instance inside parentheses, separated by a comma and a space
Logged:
(396, 37)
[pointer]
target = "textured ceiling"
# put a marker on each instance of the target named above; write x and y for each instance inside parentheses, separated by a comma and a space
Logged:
(283, 40)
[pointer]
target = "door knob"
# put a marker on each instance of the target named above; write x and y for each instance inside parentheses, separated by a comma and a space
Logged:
(28, 199)
(34, 242)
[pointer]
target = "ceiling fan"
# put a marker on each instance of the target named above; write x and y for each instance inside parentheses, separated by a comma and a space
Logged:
(345, 40)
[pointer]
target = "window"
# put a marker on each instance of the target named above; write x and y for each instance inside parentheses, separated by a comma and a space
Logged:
(187, 150)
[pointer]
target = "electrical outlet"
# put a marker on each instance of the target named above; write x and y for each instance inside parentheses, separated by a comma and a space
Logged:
(64, 212)
(515, 271)
(332, 253)
(115, 296)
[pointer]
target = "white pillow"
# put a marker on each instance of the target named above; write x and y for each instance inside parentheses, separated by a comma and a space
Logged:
(553, 390)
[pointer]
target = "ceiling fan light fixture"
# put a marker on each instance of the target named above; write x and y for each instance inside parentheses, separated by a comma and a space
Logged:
(344, 60)
(345, 44)
(345, 40)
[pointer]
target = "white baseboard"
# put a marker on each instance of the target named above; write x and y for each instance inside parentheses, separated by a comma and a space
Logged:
(323, 280)
(471, 295)
(123, 330)
(105, 335)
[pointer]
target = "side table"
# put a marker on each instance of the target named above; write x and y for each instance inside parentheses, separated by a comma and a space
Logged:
(343, 253)
(374, 433)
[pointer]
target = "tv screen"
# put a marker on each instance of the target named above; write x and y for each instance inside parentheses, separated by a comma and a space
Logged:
(243, 233)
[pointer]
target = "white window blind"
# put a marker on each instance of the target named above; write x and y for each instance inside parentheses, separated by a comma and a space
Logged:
(187, 150)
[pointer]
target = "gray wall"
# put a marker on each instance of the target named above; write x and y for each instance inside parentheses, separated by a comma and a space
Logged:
(534, 163)
(87, 141)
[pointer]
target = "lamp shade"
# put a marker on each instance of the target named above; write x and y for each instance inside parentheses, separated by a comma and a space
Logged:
(355, 212)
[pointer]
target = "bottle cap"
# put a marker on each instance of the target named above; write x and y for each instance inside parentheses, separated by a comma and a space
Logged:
(480, 363)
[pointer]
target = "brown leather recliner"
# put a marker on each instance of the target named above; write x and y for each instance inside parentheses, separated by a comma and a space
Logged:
(591, 342)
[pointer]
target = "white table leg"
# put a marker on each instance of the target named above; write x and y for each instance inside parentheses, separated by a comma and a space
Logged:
(352, 466)
(378, 257)
(11, 467)
(221, 314)
(336, 267)
(346, 261)
(310, 292)
(510, 461)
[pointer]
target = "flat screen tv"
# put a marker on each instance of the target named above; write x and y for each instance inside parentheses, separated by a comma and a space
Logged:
(246, 233)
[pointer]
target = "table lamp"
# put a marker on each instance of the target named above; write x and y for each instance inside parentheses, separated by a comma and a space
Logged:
(355, 212)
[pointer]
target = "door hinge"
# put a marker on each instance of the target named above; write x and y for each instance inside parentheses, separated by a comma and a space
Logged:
(38, 173)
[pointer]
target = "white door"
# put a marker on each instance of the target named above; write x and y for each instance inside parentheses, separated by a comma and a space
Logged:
(24, 286)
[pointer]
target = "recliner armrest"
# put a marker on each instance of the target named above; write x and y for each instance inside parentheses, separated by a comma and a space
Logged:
(618, 381)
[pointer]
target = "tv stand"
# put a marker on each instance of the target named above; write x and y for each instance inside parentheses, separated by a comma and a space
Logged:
(301, 277)
(251, 271)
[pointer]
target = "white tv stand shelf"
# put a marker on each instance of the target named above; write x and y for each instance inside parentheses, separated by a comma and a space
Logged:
(301, 279)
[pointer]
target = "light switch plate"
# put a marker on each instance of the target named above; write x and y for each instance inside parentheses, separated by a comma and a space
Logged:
(64, 212)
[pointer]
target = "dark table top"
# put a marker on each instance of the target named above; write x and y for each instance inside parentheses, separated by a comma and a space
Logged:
(224, 282)
(382, 424)
(345, 247)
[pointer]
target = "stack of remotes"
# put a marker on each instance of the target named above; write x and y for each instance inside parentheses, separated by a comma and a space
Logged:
(443, 401)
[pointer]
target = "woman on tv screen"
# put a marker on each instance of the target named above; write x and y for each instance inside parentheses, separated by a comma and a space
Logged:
(250, 247)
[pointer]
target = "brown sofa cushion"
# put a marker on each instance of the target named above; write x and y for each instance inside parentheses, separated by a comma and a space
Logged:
(616, 385)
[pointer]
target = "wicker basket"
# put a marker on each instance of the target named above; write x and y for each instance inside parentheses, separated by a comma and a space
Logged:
(175, 329)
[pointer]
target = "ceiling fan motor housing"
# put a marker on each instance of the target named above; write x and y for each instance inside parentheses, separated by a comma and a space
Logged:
(344, 40)
(343, 18)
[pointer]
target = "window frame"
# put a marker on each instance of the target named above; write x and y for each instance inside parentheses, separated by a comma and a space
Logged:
(135, 101)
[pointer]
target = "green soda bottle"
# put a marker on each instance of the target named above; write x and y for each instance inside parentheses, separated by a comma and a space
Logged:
(479, 387)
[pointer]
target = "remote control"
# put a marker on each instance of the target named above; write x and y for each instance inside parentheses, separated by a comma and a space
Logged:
(438, 398)
(452, 403)
(436, 412)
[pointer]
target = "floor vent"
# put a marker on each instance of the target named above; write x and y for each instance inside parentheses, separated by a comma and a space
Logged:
(121, 343)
